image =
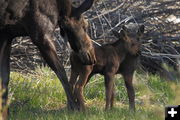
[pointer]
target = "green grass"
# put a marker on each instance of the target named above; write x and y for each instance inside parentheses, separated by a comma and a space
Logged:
(40, 96)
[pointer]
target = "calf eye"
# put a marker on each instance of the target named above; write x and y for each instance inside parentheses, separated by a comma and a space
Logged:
(85, 29)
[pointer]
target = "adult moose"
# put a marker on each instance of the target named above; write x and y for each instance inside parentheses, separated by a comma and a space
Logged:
(118, 57)
(38, 19)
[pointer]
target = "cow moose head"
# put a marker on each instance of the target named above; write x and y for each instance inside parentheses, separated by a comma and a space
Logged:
(73, 28)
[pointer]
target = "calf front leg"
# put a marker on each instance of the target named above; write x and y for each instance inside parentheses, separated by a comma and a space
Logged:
(130, 90)
(5, 48)
(73, 79)
(80, 85)
(109, 81)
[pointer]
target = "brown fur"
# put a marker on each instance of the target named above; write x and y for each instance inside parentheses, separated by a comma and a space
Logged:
(119, 57)
(38, 19)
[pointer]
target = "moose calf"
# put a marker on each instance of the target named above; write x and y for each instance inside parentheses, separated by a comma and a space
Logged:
(118, 57)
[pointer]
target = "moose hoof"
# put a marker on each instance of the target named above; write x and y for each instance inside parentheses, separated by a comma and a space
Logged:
(72, 106)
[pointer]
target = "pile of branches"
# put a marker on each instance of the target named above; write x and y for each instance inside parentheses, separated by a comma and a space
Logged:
(25, 56)
(161, 41)
(160, 44)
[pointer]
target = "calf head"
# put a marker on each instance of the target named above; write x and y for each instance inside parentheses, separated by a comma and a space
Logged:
(73, 27)
(130, 39)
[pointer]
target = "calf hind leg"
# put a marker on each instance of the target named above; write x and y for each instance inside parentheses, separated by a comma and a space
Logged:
(109, 90)
(130, 91)
(112, 96)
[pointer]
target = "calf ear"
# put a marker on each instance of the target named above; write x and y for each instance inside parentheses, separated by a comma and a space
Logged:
(120, 36)
(124, 28)
(122, 33)
(141, 30)
(115, 33)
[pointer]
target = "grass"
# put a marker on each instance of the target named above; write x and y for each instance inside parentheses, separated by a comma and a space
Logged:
(40, 96)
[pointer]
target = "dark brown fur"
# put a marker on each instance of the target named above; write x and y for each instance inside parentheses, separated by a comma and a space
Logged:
(119, 57)
(38, 19)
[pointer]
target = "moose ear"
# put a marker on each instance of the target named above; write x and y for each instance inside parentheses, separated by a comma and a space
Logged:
(86, 5)
(65, 7)
(141, 30)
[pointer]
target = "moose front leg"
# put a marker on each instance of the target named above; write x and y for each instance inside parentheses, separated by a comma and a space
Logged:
(130, 90)
(109, 82)
(48, 51)
(5, 48)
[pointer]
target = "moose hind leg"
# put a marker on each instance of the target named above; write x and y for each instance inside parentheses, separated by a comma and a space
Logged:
(48, 51)
(112, 96)
(5, 48)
